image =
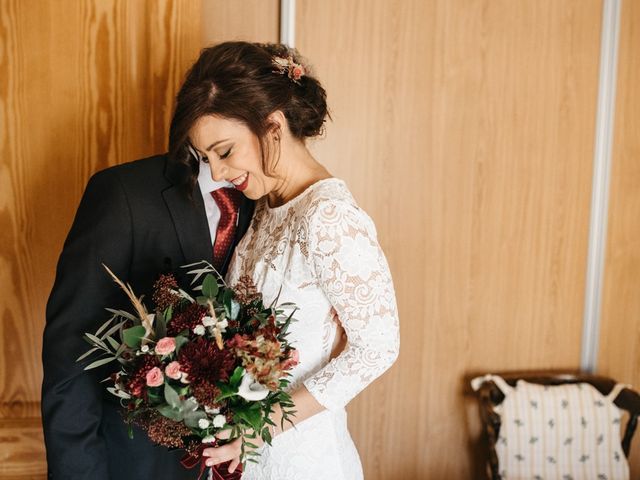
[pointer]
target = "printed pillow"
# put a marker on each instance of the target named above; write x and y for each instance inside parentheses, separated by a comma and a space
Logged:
(564, 432)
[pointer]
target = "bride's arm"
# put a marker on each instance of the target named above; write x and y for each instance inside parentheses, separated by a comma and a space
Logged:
(352, 270)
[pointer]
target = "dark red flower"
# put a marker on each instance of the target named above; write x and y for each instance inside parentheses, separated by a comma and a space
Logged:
(205, 364)
(186, 319)
(163, 295)
(205, 393)
(161, 430)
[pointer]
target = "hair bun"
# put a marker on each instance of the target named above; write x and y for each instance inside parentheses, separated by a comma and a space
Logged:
(307, 109)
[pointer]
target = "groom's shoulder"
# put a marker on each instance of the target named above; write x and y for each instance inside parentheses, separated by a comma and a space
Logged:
(153, 166)
(148, 172)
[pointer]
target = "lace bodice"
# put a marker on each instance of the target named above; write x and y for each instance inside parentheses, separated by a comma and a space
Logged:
(320, 251)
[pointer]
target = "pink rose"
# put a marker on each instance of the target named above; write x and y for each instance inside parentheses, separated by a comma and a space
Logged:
(166, 345)
(173, 370)
(155, 377)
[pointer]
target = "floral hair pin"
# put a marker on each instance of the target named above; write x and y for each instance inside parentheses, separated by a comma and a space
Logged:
(287, 66)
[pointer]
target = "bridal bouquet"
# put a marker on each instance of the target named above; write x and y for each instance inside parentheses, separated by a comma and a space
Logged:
(197, 366)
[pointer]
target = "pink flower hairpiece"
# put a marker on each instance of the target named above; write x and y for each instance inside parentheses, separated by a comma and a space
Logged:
(287, 66)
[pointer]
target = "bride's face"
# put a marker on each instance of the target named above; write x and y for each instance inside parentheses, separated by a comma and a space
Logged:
(232, 152)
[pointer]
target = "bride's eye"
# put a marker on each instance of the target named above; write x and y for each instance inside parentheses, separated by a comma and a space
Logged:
(222, 157)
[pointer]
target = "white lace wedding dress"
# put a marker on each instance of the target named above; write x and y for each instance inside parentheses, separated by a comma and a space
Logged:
(322, 250)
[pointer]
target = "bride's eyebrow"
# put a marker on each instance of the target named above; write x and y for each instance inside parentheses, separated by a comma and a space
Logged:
(208, 149)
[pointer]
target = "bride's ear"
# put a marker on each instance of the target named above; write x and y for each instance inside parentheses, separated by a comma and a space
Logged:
(277, 123)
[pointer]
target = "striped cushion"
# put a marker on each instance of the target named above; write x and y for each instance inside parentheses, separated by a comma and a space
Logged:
(564, 432)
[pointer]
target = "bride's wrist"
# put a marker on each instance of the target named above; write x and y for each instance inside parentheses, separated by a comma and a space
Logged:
(275, 417)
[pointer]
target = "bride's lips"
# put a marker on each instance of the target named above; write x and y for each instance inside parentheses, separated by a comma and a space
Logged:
(242, 185)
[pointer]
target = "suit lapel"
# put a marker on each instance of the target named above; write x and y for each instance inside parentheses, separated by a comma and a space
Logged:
(189, 220)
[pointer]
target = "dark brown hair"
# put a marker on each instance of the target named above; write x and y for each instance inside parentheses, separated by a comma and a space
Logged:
(236, 80)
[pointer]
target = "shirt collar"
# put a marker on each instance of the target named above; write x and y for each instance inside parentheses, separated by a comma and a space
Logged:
(208, 184)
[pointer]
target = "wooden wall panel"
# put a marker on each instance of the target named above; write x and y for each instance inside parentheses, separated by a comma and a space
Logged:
(249, 20)
(465, 128)
(620, 321)
(83, 85)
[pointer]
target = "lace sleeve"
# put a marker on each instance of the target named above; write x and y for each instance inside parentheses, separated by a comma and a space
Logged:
(352, 270)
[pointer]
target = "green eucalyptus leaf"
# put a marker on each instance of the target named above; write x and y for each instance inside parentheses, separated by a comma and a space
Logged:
(171, 413)
(210, 286)
(191, 418)
(124, 314)
(96, 341)
(203, 300)
(114, 344)
(113, 329)
(171, 396)
(180, 341)
(99, 363)
(103, 326)
(121, 349)
(133, 336)
(86, 354)
(185, 295)
(189, 405)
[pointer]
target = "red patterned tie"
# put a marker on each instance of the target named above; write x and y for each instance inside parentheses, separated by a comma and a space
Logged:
(228, 200)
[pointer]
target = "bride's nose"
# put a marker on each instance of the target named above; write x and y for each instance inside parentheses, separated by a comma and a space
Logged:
(218, 170)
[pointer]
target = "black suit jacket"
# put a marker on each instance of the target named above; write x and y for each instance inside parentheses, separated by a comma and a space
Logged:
(134, 219)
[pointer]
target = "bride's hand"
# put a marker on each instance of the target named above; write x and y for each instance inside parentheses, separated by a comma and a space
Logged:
(233, 450)
(230, 451)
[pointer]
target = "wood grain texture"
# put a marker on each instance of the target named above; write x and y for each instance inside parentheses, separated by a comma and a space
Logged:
(249, 20)
(619, 355)
(20, 438)
(84, 85)
(465, 128)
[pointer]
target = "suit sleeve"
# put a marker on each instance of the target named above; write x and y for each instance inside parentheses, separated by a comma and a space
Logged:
(72, 397)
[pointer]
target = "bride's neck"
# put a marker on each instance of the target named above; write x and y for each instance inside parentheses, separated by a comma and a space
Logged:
(294, 175)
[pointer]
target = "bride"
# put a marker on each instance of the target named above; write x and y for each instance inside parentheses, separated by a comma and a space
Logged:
(247, 109)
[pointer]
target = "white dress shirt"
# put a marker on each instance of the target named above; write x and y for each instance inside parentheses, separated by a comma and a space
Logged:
(207, 185)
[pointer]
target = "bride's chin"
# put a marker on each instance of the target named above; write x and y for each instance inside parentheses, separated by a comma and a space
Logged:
(250, 195)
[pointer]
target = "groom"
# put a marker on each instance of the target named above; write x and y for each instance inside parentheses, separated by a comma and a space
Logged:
(136, 220)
